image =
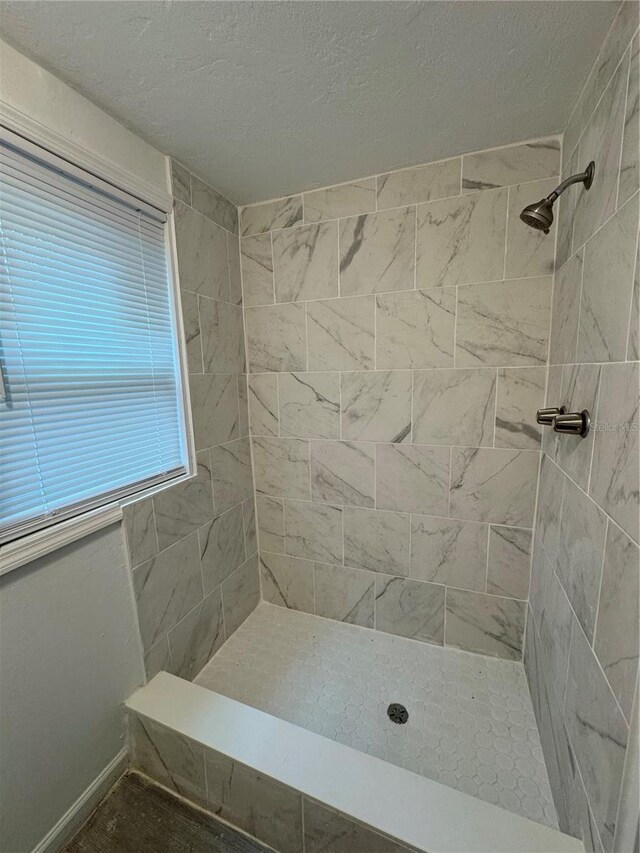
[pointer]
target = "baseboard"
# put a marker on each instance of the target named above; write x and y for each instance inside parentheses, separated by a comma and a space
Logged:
(75, 816)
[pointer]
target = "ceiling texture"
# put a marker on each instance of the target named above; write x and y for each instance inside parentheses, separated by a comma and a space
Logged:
(261, 99)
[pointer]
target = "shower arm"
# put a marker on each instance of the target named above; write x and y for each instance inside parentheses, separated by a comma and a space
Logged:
(585, 178)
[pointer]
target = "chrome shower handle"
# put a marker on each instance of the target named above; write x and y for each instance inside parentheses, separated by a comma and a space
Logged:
(573, 423)
(547, 417)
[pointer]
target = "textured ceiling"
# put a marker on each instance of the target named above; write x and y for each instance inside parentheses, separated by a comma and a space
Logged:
(261, 99)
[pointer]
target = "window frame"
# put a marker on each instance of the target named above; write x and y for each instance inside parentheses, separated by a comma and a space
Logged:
(72, 523)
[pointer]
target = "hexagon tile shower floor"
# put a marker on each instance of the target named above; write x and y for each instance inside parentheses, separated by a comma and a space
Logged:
(470, 725)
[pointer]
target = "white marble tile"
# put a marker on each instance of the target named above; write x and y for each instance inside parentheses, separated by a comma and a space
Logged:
(250, 526)
(180, 182)
(454, 406)
(565, 209)
(555, 623)
(377, 252)
(509, 562)
(214, 205)
(410, 608)
(549, 506)
(607, 285)
(376, 406)
(201, 249)
(505, 324)
(327, 830)
(257, 270)
(287, 581)
(615, 470)
(166, 588)
(553, 398)
(169, 758)
(240, 594)
(449, 552)
(282, 213)
(341, 333)
(231, 474)
(415, 329)
(601, 142)
(222, 333)
(343, 473)
(513, 164)
(493, 485)
(628, 822)
(419, 184)
(270, 512)
(281, 467)
(191, 327)
(222, 548)
(305, 262)
(529, 252)
(243, 405)
(309, 404)
(598, 734)
(181, 509)
(485, 623)
(629, 180)
(579, 391)
(617, 640)
(140, 530)
(461, 239)
(376, 540)
(158, 659)
(412, 479)
(581, 547)
(313, 531)
(633, 344)
(263, 404)
(565, 311)
(197, 637)
(254, 803)
(276, 338)
(520, 395)
(344, 594)
(342, 200)
(214, 407)
(235, 270)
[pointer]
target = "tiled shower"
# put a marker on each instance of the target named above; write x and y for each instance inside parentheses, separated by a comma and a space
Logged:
(375, 458)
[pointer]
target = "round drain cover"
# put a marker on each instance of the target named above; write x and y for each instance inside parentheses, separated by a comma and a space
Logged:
(397, 713)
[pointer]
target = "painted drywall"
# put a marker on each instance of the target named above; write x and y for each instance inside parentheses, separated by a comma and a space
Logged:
(69, 657)
(582, 642)
(264, 99)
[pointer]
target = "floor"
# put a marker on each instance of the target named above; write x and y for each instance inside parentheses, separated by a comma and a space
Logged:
(138, 817)
(470, 726)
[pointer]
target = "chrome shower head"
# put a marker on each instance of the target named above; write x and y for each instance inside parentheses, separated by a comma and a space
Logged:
(540, 214)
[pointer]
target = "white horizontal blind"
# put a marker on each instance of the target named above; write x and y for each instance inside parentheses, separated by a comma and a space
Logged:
(92, 409)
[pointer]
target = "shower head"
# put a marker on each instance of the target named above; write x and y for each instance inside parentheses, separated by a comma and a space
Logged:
(540, 214)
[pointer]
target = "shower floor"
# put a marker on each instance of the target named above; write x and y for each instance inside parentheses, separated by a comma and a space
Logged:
(471, 724)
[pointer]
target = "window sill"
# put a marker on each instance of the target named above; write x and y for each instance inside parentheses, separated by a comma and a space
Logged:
(22, 551)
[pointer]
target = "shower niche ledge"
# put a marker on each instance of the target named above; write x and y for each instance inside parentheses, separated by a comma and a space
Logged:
(295, 790)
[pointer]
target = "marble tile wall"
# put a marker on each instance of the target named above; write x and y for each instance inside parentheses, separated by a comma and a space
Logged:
(582, 645)
(193, 546)
(275, 814)
(397, 337)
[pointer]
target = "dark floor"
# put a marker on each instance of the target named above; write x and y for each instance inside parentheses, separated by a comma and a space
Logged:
(138, 817)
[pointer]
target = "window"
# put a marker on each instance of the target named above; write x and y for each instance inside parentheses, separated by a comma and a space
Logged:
(92, 407)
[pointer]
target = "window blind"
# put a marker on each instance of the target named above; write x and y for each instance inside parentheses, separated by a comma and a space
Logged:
(92, 405)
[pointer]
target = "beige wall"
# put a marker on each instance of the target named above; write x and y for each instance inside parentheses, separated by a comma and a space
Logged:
(582, 633)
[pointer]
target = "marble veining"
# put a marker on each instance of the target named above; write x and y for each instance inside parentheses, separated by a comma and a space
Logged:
(257, 270)
(309, 404)
(346, 595)
(629, 180)
(449, 552)
(240, 594)
(191, 328)
(341, 333)
(411, 478)
(376, 540)
(203, 258)
(565, 312)
(281, 467)
(376, 406)
(263, 404)
(415, 329)
(461, 239)
(377, 252)
(180, 182)
(520, 395)
(514, 164)
(214, 205)
(282, 213)
(454, 407)
(222, 336)
(509, 562)
(409, 608)
(305, 262)
(231, 474)
(580, 384)
(214, 408)
(503, 324)
(197, 637)
(343, 200)
(270, 513)
(181, 509)
(419, 184)
(222, 547)
(485, 623)
(343, 472)
(287, 581)
(313, 531)
(140, 531)
(276, 338)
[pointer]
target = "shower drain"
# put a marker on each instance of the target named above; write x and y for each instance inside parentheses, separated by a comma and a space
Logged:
(397, 713)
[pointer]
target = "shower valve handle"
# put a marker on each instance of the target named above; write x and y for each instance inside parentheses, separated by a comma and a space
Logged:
(547, 417)
(573, 423)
